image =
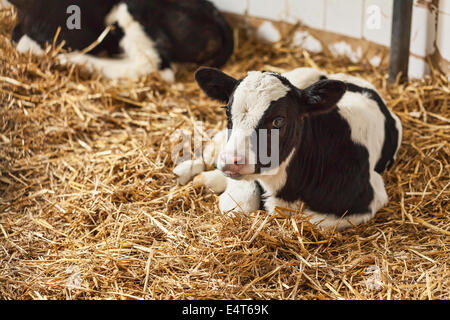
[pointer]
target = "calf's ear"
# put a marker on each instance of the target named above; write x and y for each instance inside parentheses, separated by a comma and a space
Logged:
(322, 96)
(216, 84)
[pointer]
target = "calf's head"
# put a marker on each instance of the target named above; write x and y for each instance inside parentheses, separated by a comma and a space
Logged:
(265, 117)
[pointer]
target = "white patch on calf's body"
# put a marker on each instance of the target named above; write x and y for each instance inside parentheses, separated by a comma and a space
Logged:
(351, 79)
(108, 67)
(26, 44)
(119, 13)
(380, 197)
(303, 77)
(399, 127)
(321, 220)
(329, 221)
(366, 84)
(366, 123)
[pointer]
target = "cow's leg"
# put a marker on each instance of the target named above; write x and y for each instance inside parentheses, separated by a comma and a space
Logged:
(240, 196)
(187, 170)
(214, 180)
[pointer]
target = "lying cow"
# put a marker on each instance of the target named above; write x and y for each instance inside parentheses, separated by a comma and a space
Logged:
(148, 34)
(336, 136)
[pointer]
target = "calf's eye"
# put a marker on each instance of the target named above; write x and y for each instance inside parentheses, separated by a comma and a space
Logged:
(278, 123)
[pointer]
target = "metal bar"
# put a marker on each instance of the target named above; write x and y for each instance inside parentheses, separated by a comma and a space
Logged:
(400, 40)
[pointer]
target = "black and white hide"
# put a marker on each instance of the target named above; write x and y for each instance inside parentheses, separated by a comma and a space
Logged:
(146, 35)
(336, 137)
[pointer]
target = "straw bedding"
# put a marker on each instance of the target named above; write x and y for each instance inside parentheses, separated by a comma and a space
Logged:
(89, 207)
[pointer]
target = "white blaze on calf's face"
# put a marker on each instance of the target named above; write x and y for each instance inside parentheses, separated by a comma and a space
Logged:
(251, 99)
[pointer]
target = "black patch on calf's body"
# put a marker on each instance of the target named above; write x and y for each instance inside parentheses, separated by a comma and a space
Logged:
(165, 61)
(261, 192)
(328, 171)
(322, 96)
(17, 33)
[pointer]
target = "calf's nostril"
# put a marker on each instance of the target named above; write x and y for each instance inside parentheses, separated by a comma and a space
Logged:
(232, 159)
(238, 160)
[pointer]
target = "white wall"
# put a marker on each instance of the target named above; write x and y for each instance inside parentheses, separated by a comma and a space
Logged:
(347, 17)
(443, 29)
(361, 19)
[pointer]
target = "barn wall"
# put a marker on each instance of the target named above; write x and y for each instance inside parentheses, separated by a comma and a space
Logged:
(359, 29)
(442, 53)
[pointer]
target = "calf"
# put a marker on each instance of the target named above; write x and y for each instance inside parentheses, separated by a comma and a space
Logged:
(148, 34)
(335, 138)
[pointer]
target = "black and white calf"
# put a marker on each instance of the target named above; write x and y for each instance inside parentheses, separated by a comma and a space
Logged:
(148, 34)
(336, 136)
